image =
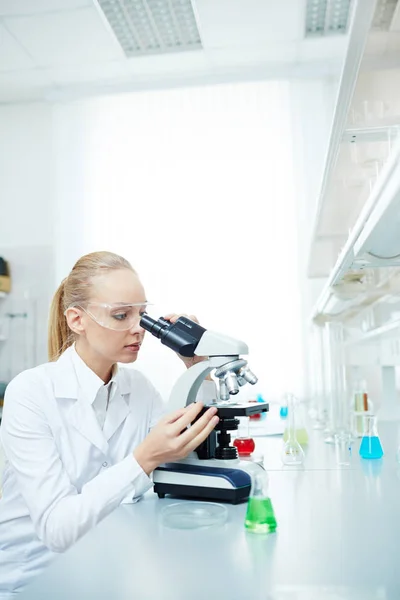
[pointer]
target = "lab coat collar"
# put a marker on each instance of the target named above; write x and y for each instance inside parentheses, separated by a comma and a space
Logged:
(67, 384)
(89, 383)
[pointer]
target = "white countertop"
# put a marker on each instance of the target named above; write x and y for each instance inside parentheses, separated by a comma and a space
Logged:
(338, 538)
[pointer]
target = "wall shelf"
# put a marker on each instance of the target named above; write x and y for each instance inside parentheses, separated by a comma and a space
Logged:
(357, 224)
(360, 25)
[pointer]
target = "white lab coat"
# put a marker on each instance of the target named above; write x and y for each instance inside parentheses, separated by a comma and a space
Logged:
(63, 472)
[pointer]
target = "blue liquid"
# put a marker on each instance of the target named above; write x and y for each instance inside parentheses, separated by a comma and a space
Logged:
(283, 413)
(261, 399)
(371, 447)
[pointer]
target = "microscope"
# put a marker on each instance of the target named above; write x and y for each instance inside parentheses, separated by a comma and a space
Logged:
(213, 471)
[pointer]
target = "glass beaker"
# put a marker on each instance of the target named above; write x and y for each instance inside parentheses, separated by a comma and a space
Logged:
(343, 443)
(292, 452)
(244, 443)
(260, 517)
(370, 446)
(299, 422)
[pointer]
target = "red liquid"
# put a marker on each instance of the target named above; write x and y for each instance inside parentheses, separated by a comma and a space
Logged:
(256, 415)
(245, 446)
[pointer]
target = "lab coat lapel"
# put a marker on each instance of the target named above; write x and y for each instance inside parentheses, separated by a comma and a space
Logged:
(118, 409)
(81, 414)
(83, 418)
(117, 412)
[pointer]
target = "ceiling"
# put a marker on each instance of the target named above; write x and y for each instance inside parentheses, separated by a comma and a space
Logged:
(63, 49)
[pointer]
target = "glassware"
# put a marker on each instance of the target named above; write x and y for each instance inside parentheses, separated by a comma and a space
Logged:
(260, 398)
(283, 411)
(255, 416)
(193, 515)
(339, 414)
(370, 446)
(360, 405)
(292, 452)
(343, 448)
(299, 420)
(244, 443)
(260, 517)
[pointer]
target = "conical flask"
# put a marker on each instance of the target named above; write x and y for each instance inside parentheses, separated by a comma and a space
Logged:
(370, 446)
(260, 517)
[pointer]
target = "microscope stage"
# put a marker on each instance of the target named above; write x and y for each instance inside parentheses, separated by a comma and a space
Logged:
(244, 409)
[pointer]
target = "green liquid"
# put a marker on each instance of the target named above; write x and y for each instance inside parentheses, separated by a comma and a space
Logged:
(260, 516)
(301, 436)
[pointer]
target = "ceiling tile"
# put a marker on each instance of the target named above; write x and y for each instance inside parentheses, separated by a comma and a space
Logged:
(65, 38)
(234, 23)
(179, 62)
(30, 7)
(96, 72)
(12, 56)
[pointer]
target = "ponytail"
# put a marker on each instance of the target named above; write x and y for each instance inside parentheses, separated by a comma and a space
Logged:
(75, 290)
(60, 335)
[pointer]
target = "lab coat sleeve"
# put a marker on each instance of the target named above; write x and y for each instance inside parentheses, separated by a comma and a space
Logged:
(59, 513)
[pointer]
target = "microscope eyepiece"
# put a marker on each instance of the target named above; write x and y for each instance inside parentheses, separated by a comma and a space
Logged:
(152, 326)
(182, 336)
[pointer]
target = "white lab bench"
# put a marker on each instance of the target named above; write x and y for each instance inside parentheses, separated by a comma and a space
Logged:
(338, 538)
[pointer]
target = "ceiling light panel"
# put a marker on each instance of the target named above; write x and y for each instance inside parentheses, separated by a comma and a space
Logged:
(327, 17)
(152, 26)
(383, 16)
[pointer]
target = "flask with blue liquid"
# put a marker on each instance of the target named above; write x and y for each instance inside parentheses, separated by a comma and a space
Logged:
(370, 446)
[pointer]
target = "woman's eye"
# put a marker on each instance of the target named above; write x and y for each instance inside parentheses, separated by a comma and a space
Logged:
(120, 316)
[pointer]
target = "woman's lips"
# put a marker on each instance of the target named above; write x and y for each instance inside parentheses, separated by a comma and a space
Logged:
(133, 347)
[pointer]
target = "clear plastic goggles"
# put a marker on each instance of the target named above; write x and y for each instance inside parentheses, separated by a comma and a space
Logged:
(119, 316)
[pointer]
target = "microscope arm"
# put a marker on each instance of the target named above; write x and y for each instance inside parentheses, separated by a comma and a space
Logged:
(187, 386)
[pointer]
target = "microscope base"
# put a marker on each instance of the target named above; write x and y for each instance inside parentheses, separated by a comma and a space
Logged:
(208, 479)
(233, 496)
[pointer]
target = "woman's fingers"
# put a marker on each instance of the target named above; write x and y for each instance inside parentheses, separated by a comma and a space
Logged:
(189, 415)
(174, 416)
(199, 425)
(200, 437)
(173, 317)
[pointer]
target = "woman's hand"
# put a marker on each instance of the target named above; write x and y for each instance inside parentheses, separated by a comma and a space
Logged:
(171, 440)
(188, 360)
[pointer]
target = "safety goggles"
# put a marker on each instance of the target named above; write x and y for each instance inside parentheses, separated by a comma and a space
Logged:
(119, 316)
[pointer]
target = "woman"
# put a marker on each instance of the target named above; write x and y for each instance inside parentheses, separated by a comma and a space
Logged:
(80, 434)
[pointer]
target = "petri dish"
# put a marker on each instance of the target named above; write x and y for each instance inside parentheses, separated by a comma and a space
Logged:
(194, 515)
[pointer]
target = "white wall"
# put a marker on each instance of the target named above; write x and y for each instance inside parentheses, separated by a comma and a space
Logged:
(54, 161)
(195, 187)
(26, 232)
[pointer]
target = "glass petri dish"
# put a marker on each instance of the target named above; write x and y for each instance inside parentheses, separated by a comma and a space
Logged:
(194, 515)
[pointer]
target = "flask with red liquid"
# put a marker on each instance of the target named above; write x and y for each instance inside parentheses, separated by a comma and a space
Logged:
(244, 443)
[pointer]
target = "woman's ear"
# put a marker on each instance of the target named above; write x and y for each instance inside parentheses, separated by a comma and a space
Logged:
(74, 316)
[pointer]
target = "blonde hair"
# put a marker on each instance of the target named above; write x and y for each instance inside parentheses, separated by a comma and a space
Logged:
(74, 289)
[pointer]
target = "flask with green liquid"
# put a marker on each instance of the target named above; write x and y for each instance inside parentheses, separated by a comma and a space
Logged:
(260, 517)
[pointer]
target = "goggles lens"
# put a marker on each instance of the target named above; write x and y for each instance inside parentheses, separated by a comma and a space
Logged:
(119, 317)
